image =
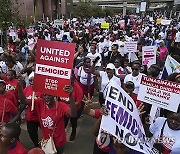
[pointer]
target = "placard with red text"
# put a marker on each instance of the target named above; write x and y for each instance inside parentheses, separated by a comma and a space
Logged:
(54, 62)
(161, 93)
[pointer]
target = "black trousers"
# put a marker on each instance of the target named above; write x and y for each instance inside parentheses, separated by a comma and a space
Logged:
(32, 128)
(73, 120)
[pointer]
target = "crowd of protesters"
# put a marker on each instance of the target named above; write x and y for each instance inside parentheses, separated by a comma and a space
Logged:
(98, 60)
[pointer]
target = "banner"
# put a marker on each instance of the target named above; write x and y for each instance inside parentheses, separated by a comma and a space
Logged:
(171, 66)
(130, 47)
(160, 93)
(54, 61)
(123, 121)
(165, 22)
(148, 55)
(105, 25)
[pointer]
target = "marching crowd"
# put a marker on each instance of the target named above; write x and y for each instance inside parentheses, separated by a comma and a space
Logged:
(99, 59)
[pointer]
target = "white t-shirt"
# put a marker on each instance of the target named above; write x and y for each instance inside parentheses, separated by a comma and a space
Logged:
(171, 139)
(83, 76)
(93, 57)
(136, 80)
(105, 82)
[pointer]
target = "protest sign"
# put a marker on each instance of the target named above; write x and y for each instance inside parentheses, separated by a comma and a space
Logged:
(54, 62)
(143, 6)
(130, 47)
(165, 22)
(177, 37)
(148, 55)
(59, 22)
(158, 21)
(105, 25)
(171, 66)
(160, 93)
(122, 24)
(123, 121)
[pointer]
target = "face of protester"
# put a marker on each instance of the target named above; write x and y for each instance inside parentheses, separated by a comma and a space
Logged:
(162, 44)
(110, 73)
(117, 63)
(9, 64)
(49, 99)
(114, 49)
(31, 81)
(129, 88)
(178, 79)
(2, 87)
(10, 75)
(80, 49)
(93, 49)
(135, 69)
(173, 120)
(87, 63)
(5, 136)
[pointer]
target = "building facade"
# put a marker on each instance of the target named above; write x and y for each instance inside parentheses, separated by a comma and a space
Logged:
(52, 9)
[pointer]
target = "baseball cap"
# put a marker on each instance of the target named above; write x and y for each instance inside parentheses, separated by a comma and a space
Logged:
(2, 81)
(110, 66)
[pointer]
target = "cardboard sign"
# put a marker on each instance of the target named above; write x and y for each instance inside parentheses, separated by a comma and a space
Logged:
(165, 22)
(123, 121)
(54, 62)
(58, 22)
(122, 24)
(158, 21)
(130, 47)
(160, 93)
(105, 25)
(143, 6)
(149, 55)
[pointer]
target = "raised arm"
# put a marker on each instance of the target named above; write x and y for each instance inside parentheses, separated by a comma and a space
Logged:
(21, 95)
(73, 110)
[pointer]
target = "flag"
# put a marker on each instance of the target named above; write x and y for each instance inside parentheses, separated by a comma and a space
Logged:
(171, 66)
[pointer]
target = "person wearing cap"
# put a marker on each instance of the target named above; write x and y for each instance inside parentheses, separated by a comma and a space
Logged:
(107, 76)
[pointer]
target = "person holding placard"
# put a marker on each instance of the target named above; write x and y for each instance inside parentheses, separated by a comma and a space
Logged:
(51, 115)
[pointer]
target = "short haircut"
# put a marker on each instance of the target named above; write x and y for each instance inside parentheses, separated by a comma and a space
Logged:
(14, 128)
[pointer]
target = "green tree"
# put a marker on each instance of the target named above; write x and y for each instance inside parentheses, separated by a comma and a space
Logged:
(98, 12)
(9, 14)
(84, 10)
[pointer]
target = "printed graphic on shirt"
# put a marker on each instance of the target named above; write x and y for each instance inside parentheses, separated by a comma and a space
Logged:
(10, 87)
(47, 122)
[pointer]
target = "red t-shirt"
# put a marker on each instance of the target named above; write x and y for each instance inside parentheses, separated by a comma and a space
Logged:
(137, 102)
(77, 94)
(10, 109)
(31, 115)
(47, 118)
(18, 149)
(97, 113)
(11, 85)
(10, 96)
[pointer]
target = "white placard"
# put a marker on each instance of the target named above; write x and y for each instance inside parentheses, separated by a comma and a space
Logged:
(161, 93)
(143, 7)
(130, 47)
(123, 121)
(165, 22)
(149, 55)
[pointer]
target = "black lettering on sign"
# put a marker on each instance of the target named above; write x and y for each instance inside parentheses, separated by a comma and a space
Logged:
(113, 93)
(130, 140)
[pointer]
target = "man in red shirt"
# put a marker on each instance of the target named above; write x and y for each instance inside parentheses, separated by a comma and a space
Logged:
(9, 134)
